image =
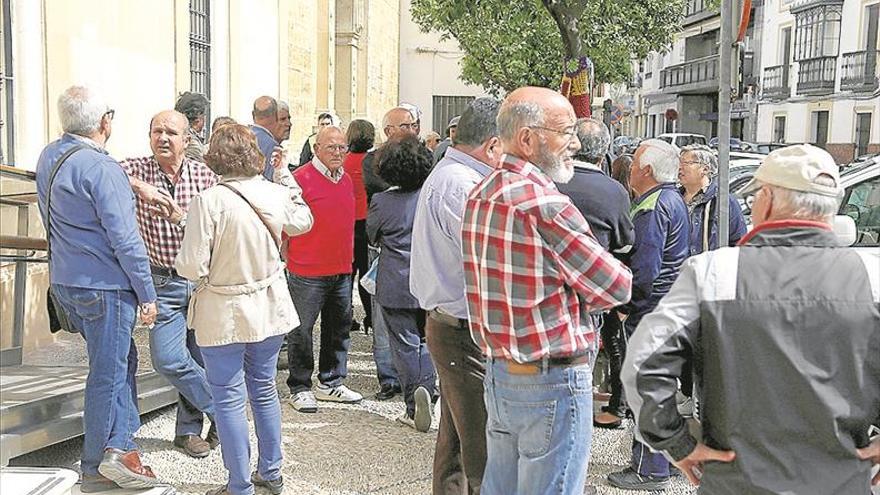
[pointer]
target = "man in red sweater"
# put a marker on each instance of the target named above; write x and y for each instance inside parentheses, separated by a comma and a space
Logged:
(319, 278)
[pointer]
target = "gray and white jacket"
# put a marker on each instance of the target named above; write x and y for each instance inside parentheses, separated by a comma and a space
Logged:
(784, 332)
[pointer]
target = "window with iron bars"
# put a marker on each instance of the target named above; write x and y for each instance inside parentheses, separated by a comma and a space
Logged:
(446, 107)
(200, 51)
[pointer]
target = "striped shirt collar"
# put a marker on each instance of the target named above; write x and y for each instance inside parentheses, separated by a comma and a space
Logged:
(320, 167)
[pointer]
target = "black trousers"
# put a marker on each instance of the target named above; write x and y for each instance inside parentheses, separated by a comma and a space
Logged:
(360, 266)
(614, 344)
(460, 453)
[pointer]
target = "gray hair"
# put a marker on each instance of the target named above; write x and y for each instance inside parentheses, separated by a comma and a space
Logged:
(806, 205)
(478, 122)
(662, 157)
(81, 110)
(283, 106)
(704, 155)
(595, 139)
(515, 115)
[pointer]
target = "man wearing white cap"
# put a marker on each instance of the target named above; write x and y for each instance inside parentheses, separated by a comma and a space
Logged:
(783, 331)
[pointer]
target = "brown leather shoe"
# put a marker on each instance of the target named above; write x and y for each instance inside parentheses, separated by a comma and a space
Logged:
(607, 420)
(193, 445)
(212, 437)
(126, 470)
(94, 483)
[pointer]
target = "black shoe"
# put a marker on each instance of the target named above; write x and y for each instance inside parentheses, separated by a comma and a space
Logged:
(388, 391)
(629, 479)
(275, 486)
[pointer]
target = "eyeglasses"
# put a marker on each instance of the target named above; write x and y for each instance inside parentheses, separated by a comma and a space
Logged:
(700, 164)
(571, 133)
(110, 113)
(335, 148)
(405, 126)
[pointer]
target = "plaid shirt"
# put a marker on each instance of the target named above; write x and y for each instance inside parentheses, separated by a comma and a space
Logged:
(533, 270)
(162, 237)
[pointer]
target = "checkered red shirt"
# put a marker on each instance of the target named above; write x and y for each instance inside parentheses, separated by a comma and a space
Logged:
(533, 270)
(162, 237)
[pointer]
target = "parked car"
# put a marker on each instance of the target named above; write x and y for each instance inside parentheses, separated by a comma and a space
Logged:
(682, 139)
(766, 148)
(861, 200)
(625, 145)
(736, 144)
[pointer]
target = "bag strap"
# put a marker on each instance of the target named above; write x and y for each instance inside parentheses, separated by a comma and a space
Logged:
(52, 175)
(707, 216)
(259, 214)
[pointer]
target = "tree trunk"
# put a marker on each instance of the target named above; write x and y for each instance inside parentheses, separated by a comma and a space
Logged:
(566, 13)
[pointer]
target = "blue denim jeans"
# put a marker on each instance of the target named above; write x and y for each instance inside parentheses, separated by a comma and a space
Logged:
(386, 372)
(538, 430)
(239, 373)
(329, 297)
(110, 416)
(406, 328)
(177, 357)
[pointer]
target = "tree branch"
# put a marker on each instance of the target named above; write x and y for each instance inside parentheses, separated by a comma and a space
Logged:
(566, 16)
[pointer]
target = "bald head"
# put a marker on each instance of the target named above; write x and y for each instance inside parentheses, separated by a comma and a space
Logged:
(538, 125)
(265, 112)
(398, 122)
(330, 147)
(169, 138)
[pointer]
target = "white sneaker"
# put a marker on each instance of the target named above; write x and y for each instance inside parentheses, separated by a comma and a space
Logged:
(340, 393)
(304, 402)
(423, 413)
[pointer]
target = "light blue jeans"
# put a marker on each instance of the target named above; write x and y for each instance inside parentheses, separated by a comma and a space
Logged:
(538, 430)
(238, 373)
(176, 356)
(110, 415)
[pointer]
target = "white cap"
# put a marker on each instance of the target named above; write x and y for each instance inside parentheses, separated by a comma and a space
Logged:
(796, 168)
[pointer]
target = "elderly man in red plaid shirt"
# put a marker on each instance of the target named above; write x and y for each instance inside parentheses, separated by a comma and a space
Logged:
(533, 274)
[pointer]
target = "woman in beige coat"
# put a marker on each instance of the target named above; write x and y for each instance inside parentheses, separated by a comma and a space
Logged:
(241, 307)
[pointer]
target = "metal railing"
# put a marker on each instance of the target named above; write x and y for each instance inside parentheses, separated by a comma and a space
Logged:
(859, 71)
(695, 74)
(776, 82)
(817, 75)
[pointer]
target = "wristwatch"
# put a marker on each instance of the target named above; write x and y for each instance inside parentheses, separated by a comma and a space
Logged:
(182, 222)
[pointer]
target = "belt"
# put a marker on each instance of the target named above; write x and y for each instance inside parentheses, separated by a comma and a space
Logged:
(538, 367)
(162, 271)
(450, 321)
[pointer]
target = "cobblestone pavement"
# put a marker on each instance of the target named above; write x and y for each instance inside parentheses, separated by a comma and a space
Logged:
(343, 449)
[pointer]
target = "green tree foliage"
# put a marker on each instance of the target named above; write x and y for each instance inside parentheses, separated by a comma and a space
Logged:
(512, 43)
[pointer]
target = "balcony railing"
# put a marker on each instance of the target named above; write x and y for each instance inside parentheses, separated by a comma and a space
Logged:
(701, 73)
(776, 82)
(859, 71)
(816, 75)
(696, 11)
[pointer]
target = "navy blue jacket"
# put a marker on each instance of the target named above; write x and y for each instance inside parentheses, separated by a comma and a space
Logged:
(604, 203)
(94, 235)
(390, 226)
(660, 218)
(266, 142)
(736, 222)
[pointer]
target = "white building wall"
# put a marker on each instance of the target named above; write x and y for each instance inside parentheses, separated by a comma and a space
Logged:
(429, 67)
(841, 105)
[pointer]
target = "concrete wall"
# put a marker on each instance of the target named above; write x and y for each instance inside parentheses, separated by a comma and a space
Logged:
(429, 67)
